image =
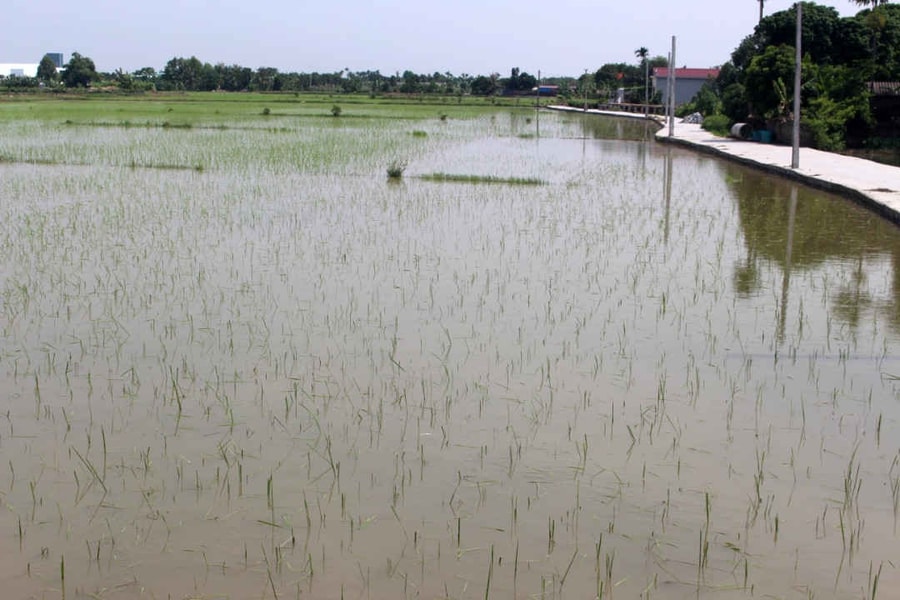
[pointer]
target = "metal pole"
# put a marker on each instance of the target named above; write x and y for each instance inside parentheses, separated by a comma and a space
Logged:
(672, 90)
(795, 152)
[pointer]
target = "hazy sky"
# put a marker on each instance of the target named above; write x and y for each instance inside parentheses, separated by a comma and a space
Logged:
(557, 37)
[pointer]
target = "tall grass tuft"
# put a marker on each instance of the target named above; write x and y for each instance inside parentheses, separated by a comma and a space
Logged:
(395, 169)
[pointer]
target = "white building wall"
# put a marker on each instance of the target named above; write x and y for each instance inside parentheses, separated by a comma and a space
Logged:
(22, 69)
(685, 89)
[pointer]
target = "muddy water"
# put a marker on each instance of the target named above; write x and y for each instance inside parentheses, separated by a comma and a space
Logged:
(655, 374)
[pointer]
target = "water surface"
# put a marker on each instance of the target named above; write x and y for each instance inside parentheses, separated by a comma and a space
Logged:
(280, 373)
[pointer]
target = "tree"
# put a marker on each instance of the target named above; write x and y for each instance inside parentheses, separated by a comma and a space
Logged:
(264, 79)
(147, 74)
(870, 2)
(411, 83)
(80, 71)
(612, 76)
(512, 84)
(837, 101)
(125, 80)
(47, 70)
(734, 102)
(877, 32)
(769, 82)
(210, 79)
(642, 54)
(527, 82)
(484, 86)
(822, 28)
(183, 74)
(236, 78)
(519, 81)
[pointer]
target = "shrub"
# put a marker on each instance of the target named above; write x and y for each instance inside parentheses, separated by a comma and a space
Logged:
(688, 108)
(717, 124)
(336, 111)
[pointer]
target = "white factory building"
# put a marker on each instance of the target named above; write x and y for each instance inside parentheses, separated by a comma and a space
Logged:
(28, 69)
(18, 69)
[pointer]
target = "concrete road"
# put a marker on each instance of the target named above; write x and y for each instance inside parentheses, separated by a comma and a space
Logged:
(874, 184)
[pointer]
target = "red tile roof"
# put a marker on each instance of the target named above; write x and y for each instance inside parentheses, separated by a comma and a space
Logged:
(686, 73)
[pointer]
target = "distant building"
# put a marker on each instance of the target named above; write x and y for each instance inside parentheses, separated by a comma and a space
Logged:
(29, 69)
(884, 99)
(57, 58)
(18, 69)
(547, 90)
(687, 82)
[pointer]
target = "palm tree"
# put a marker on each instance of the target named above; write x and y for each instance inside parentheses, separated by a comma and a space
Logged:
(642, 53)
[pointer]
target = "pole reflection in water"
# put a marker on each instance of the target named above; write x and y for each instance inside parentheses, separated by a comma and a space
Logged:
(668, 194)
(786, 274)
(643, 149)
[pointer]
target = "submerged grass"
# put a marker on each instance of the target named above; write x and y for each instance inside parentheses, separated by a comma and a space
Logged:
(132, 164)
(460, 178)
(170, 125)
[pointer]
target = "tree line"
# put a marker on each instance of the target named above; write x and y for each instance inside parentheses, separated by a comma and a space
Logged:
(192, 74)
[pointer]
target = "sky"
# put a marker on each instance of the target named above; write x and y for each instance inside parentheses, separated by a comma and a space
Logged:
(558, 37)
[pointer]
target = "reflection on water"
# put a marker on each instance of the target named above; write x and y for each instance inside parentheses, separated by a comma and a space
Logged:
(606, 128)
(797, 227)
(667, 185)
(786, 275)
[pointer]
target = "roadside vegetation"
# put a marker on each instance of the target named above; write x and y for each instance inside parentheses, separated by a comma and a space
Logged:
(841, 56)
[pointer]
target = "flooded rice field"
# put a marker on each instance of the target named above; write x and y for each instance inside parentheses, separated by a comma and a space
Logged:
(239, 362)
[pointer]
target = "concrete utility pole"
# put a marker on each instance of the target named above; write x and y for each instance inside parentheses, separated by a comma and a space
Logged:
(672, 90)
(761, 3)
(584, 89)
(795, 153)
(647, 85)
